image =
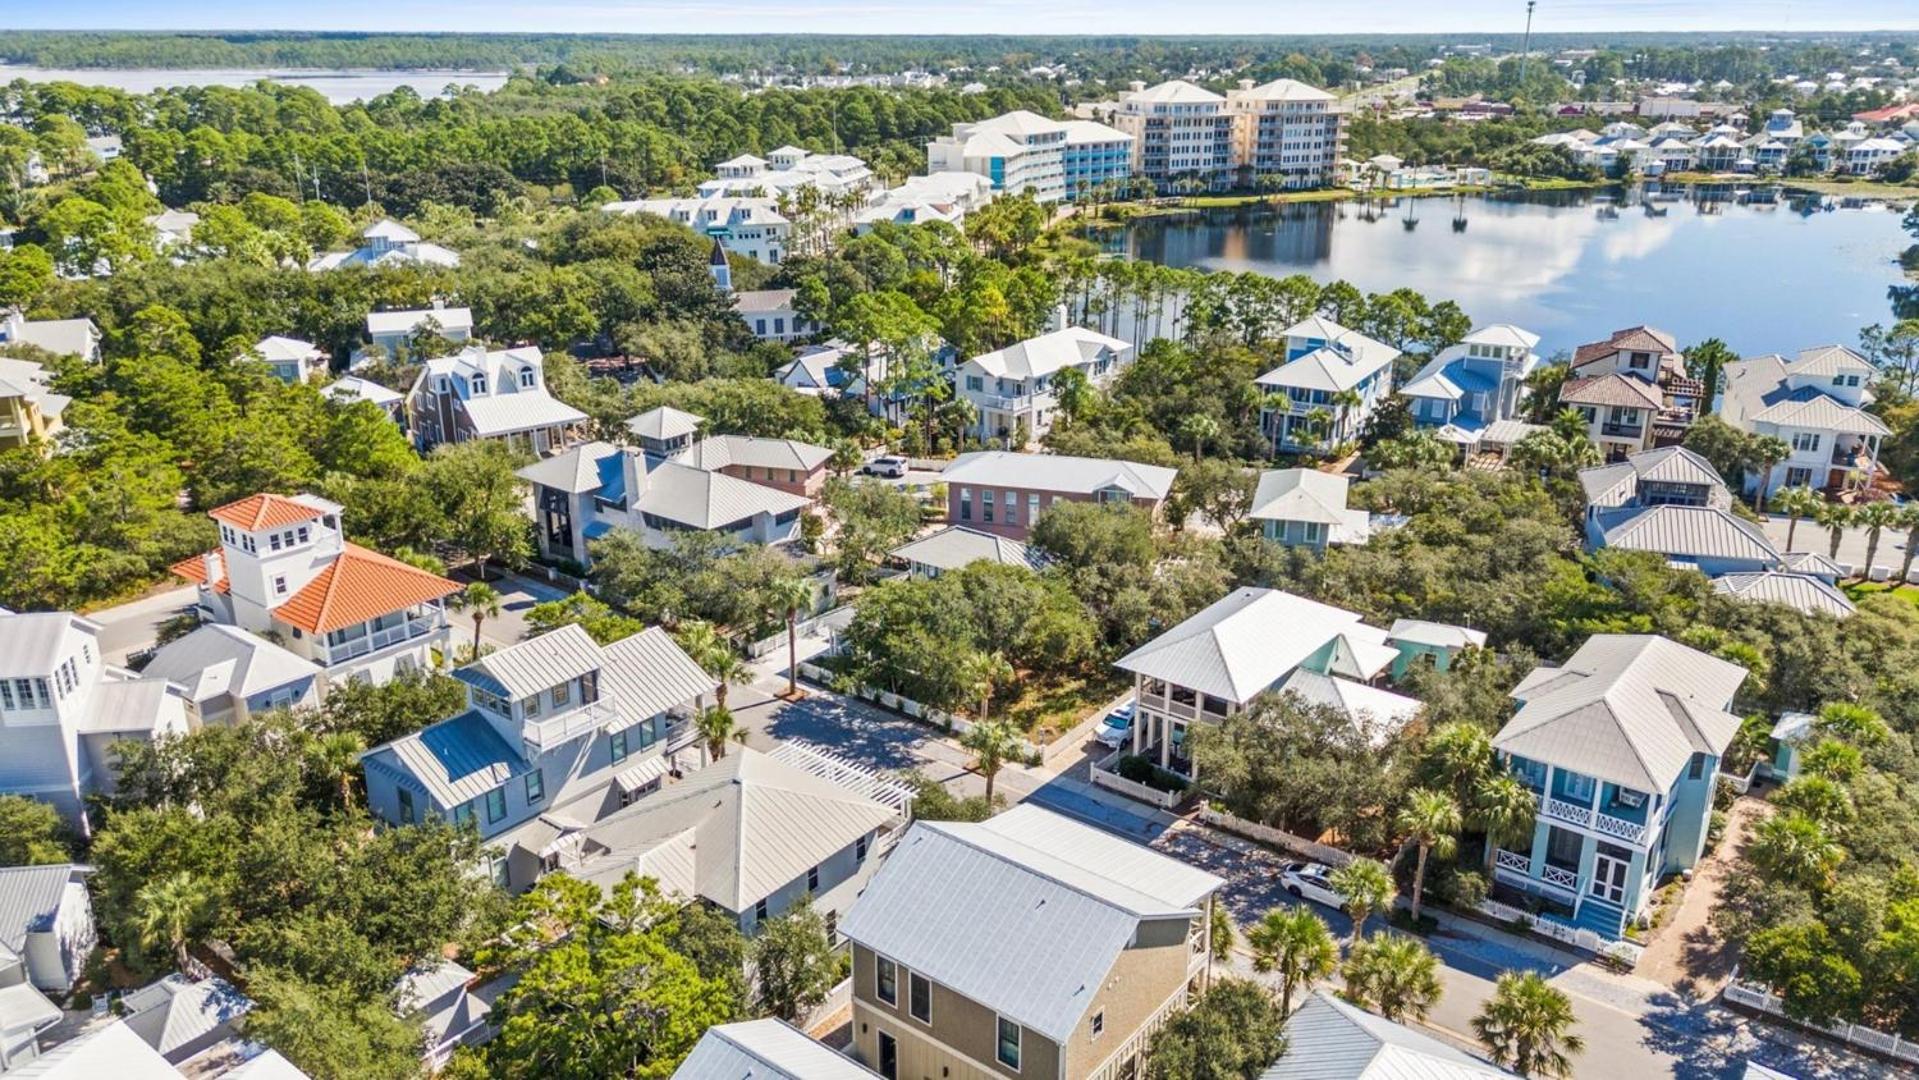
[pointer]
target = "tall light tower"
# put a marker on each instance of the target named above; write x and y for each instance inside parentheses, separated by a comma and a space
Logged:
(1526, 46)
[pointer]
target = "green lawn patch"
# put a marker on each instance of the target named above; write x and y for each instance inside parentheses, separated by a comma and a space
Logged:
(1859, 590)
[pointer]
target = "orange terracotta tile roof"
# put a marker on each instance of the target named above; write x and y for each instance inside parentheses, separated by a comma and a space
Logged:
(194, 569)
(264, 511)
(359, 585)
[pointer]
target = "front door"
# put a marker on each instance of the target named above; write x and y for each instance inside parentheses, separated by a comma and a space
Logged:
(1609, 879)
(889, 1057)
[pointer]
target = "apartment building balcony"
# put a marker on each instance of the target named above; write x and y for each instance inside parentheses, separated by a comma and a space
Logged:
(548, 732)
(367, 638)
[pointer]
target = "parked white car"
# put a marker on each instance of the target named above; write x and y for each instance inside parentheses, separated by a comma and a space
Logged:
(887, 465)
(1116, 730)
(1312, 881)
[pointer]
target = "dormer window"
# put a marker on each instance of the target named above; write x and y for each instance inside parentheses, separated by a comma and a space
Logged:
(527, 379)
(477, 384)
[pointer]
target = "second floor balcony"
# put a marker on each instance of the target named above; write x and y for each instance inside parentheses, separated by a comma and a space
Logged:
(546, 732)
(372, 636)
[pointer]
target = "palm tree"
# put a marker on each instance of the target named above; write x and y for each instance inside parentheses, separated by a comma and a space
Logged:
(1833, 517)
(1876, 517)
(1347, 400)
(1526, 1026)
(338, 753)
(1762, 453)
(710, 649)
(1320, 422)
(1431, 821)
(982, 672)
(1909, 521)
(1396, 977)
(717, 727)
(1199, 427)
(1793, 848)
(1366, 887)
(790, 595)
(1296, 944)
(1280, 405)
(170, 912)
(480, 600)
(993, 743)
(1796, 502)
(1503, 809)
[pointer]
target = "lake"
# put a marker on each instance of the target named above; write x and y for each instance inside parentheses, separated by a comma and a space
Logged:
(340, 87)
(1763, 278)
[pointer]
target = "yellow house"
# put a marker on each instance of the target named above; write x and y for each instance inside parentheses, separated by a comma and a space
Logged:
(28, 410)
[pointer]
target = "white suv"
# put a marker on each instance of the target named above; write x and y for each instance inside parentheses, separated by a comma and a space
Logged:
(1312, 881)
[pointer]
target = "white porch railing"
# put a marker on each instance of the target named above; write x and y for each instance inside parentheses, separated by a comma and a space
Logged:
(1565, 811)
(1560, 876)
(1754, 996)
(380, 639)
(1512, 860)
(554, 730)
(1629, 831)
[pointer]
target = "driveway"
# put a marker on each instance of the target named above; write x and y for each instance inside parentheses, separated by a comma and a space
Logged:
(135, 625)
(1686, 954)
(518, 594)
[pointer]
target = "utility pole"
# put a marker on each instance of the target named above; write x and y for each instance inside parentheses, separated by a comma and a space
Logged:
(1526, 47)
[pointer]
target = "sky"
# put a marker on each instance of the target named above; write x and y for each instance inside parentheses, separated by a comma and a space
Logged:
(964, 16)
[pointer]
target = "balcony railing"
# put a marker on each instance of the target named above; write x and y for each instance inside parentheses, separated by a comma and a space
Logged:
(1624, 431)
(1160, 703)
(1850, 456)
(551, 731)
(1561, 877)
(1565, 811)
(1629, 831)
(1010, 402)
(380, 639)
(1513, 860)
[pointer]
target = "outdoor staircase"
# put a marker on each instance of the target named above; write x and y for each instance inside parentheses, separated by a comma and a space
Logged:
(1601, 918)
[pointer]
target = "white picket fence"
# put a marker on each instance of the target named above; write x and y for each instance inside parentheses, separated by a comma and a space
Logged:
(1106, 774)
(1621, 950)
(885, 699)
(1764, 1000)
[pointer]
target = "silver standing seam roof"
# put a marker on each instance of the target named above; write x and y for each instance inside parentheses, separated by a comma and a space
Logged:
(30, 641)
(172, 1014)
(1024, 913)
(30, 899)
(766, 1050)
(1690, 532)
(526, 668)
(1242, 643)
(1802, 592)
(1059, 472)
(1630, 709)
(956, 546)
(1327, 1039)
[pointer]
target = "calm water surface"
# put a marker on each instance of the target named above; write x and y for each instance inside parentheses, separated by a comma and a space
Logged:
(339, 87)
(1763, 278)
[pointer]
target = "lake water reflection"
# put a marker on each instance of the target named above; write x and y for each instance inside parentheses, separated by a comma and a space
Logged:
(1764, 278)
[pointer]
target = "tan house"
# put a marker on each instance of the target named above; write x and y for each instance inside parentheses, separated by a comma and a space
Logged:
(28, 410)
(1619, 411)
(1652, 356)
(1027, 945)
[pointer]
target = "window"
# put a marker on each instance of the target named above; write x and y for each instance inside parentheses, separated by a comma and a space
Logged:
(477, 383)
(279, 585)
(528, 380)
(759, 911)
(1032, 508)
(1807, 441)
(1099, 1023)
(975, 383)
(463, 814)
(919, 997)
(499, 872)
(619, 747)
(562, 694)
(406, 807)
(1578, 788)
(495, 805)
(535, 786)
(759, 327)
(813, 879)
(966, 504)
(1696, 767)
(986, 505)
(530, 707)
(305, 534)
(1312, 531)
(859, 849)
(1008, 1049)
(273, 541)
(886, 983)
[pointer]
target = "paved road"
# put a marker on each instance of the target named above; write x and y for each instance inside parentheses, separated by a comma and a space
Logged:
(135, 625)
(518, 594)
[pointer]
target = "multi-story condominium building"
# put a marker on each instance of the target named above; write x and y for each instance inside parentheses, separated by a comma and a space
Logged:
(387, 243)
(1003, 493)
(61, 337)
(1095, 154)
(289, 359)
(390, 332)
(1012, 389)
(750, 834)
(62, 707)
(1474, 384)
(1652, 356)
(1250, 642)
(1286, 129)
(231, 674)
(746, 489)
(479, 393)
(1020, 152)
(788, 169)
(1179, 131)
(284, 567)
(768, 1048)
(1815, 402)
(1334, 378)
(1307, 508)
(1024, 945)
(559, 732)
(753, 227)
(1620, 743)
(29, 411)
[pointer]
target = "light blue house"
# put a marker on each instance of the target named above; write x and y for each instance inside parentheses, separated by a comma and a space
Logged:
(1473, 384)
(1430, 644)
(1333, 378)
(559, 732)
(1620, 744)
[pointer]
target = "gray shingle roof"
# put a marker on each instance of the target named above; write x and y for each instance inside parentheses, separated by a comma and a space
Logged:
(1627, 708)
(1024, 913)
(525, 668)
(956, 546)
(1327, 1039)
(769, 1049)
(1689, 532)
(1059, 472)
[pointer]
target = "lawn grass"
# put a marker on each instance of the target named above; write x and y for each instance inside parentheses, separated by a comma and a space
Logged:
(1859, 590)
(1863, 189)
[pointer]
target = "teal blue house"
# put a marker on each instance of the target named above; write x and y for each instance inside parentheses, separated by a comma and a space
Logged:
(1430, 644)
(1620, 744)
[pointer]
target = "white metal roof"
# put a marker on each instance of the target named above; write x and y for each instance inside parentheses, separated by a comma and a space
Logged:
(217, 658)
(1243, 643)
(1284, 90)
(1686, 532)
(578, 470)
(405, 322)
(1328, 1039)
(769, 1049)
(956, 546)
(286, 350)
(30, 901)
(664, 422)
(1024, 913)
(648, 673)
(1304, 495)
(719, 451)
(1175, 91)
(176, 1011)
(1040, 356)
(525, 668)
(113, 1051)
(1803, 592)
(32, 642)
(708, 500)
(1059, 472)
(1436, 634)
(1627, 708)
(355, 388)
(1375, 712)
(266, 1065)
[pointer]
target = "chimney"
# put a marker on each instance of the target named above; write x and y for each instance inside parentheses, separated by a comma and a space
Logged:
(1060, 321)
(1245, 84)
(439, 304)
(1136, 86)
(211, 560)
